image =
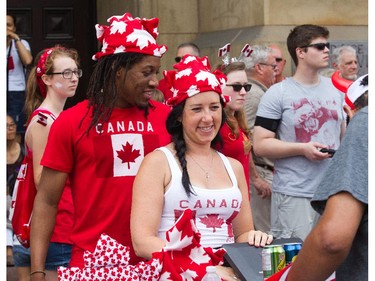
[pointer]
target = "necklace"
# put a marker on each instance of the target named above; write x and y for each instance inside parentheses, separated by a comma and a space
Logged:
(207, 173)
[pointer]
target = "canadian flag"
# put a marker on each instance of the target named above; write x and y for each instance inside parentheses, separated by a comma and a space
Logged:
(224, 50)
(121, 154)
(246, 51)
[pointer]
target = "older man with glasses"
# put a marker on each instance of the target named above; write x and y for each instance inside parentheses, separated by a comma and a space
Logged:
(295, 119)
(345, 59)
(261, 68)
(280, 61)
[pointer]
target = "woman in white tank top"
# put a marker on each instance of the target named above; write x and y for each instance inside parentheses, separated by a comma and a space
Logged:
(189, 173)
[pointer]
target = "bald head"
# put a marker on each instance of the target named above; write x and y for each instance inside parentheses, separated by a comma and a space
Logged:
(280, 61)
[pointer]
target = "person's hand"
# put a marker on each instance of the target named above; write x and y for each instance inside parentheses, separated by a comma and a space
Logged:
(226, 273)
(12, 34)
(258, 238)
(262, 187)
(312, 151)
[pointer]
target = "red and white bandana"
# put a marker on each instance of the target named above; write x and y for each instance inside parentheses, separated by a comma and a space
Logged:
(193, 77)
(41, 69)
(129, 35)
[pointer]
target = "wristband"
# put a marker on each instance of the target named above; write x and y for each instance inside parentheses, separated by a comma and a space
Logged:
(38, 271)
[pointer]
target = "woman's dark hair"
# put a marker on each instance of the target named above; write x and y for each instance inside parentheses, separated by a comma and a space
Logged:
(102, 91)
(174, 128)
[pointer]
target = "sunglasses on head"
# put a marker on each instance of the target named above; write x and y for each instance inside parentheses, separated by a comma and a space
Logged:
(177, 59)
(238, 87)
(318, 46)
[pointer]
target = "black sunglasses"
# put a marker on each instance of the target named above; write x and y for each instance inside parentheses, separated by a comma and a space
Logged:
(238, 87)
(177, 59)
(318, 46)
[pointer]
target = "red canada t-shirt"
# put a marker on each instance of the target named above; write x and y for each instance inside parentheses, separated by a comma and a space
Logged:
(102, 167)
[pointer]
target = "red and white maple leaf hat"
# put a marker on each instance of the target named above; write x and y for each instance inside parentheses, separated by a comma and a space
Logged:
(126, 34)
(193, 76)
(352, 89)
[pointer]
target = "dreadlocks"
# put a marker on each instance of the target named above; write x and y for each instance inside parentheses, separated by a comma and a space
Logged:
(102, 91)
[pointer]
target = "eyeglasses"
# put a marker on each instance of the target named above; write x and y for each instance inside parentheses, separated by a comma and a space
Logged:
(177, 59)
(11, 125)
(318, 46)
(268, 64)
(238, 87)
(68, 74)
(279, 59)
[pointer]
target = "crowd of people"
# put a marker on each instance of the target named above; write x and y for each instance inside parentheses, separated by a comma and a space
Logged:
(238, 143)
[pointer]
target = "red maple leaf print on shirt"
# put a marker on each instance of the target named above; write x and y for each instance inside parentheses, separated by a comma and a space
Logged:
(127, 154)
(213, 221)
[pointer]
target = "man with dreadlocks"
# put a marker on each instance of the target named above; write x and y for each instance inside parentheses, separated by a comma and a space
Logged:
(100, 143)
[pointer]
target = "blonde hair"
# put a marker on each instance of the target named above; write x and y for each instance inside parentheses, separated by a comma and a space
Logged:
(239, 119)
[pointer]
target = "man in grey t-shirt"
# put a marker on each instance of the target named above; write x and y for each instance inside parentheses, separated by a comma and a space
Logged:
(295, 119)
(339, 242)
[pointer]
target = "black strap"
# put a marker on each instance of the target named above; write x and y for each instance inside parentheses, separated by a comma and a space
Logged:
(267, 123)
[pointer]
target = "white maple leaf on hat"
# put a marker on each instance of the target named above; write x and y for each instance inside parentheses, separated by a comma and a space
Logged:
(160, 51)
(188, 275)
(199, 255)
(205, 75)
(114, 18)
(189, 59)
(174, 91)
(105, 46)
(205, 61)
(142, 37)
(99, 30)
(192, 90)
(119, 49)
(156, 31)
(118, 26)
(185, 72)
(176, 242)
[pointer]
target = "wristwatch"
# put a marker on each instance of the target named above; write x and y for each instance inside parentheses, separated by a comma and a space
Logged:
(17, 39)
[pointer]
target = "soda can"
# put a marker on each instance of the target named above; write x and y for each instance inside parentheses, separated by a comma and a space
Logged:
(273, 260)
(291, 251)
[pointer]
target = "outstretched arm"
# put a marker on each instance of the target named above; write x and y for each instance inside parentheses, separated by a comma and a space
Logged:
(51, 186)
(328, 244)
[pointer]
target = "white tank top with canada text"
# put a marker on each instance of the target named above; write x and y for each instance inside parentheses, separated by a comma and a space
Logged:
(214, 209)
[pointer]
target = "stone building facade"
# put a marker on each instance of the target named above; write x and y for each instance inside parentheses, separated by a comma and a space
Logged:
(213, 23)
